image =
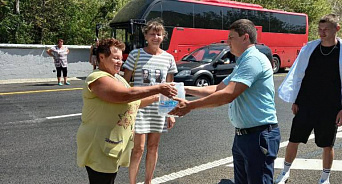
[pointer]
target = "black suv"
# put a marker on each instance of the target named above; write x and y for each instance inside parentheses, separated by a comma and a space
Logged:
(210, 64)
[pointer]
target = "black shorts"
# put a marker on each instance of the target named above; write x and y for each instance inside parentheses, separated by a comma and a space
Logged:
(322, 122)
(60, 70)
(98, 177)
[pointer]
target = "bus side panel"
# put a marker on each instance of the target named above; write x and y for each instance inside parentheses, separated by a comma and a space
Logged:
(286, 46)
(185, 40)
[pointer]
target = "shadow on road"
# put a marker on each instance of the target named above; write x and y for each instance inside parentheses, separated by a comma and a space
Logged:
(226, 181)
(43, 84)
(82, 78)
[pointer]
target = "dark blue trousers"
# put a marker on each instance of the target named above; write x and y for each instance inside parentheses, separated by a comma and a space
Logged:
(254, 156)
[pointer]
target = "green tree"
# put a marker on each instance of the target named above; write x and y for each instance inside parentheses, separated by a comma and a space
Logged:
(44, 21)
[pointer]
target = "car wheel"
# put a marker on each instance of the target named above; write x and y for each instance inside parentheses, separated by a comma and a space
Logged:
(276, 64)
(202, 81)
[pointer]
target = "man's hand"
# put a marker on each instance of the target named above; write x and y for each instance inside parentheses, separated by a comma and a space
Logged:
(339, 118)
(182, 107)
(170, 122)
(294, 109)
(168, 89)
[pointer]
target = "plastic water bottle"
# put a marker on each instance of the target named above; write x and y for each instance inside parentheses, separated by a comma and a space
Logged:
(167, 104)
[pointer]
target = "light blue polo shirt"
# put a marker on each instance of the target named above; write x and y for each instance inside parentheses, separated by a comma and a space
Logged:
(255, 106)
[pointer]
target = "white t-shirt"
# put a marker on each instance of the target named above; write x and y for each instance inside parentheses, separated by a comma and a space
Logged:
(150, 70)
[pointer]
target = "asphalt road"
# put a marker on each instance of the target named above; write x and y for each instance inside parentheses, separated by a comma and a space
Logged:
(38, 143)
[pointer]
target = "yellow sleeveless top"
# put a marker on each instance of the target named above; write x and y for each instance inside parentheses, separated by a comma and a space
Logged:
(105, 137)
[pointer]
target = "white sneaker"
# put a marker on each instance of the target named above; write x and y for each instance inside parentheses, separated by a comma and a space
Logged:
(282, 178)
(321, 181)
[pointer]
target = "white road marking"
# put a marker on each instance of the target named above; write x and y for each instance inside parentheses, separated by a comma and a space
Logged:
(191, 171)
(64, 116)
(308, 162)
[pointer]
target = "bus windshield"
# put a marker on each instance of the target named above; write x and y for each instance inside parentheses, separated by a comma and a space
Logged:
(130, 34)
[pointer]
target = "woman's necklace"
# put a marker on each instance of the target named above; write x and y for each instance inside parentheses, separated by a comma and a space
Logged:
(320, 48)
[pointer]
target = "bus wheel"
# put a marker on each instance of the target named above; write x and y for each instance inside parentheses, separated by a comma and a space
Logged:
(202, 81)
(276, 64)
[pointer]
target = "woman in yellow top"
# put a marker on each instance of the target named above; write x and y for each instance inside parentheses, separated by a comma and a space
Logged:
(104, 139)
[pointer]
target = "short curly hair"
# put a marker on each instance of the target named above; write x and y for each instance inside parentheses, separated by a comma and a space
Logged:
(105, 44)
(330, 18)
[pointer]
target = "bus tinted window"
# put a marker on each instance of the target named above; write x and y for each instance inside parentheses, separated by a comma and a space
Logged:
(227, 18)
(177, 14)
(154, 12)
(279, 23)
(259, 18)
(264, 21)
(283, 23)
(242, 13)
(208, 17)
(298, 24)
(232, 14)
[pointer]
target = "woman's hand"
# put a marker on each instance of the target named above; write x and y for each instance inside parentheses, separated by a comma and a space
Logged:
(170, 122)
(168, 89)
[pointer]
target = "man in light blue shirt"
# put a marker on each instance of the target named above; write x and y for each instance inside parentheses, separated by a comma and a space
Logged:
(255, 106)
(249, 90)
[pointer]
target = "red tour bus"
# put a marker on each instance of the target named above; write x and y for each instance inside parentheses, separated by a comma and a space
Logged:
(194, 23)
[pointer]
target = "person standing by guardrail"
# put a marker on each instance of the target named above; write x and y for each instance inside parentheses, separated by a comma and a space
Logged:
(59, 53)
(93, 51)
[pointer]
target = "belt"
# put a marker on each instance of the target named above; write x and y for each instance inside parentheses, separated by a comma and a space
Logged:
(244, 131)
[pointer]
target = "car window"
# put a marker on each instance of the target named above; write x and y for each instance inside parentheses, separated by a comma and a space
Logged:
(228, 58)
(204, 54)
(199, 55)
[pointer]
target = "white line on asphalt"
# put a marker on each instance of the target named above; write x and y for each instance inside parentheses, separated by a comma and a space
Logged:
(191, 171)
(210, 165)
(64, 116)
(307, 164)
(228, 160)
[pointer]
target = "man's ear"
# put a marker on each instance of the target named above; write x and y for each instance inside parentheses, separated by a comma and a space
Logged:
(246, 37)
(101, 56)
(338, 27)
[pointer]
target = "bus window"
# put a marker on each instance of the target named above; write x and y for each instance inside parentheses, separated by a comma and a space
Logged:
(232, 14)
(279, 23)
(208, 17)
(124, 36)
(227, 18)
(264, 21)
(155, 12)
(298, 24)
(259, 18)
(177, 14)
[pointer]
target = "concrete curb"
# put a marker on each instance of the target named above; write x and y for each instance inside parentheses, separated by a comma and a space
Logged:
(17, 81)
